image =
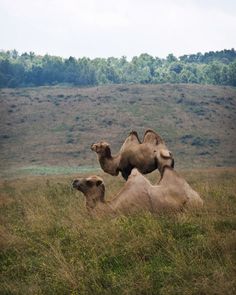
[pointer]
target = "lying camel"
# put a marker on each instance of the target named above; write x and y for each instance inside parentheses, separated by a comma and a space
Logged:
(172, 193)
(146, 156)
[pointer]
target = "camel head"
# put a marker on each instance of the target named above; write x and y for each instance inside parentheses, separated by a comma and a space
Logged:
(92, 187)
(101, 148)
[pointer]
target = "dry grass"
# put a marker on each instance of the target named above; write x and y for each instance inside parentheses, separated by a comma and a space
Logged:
(56, 125)
(49, 245)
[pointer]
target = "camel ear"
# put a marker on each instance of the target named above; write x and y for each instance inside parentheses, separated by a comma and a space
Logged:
(166, 154)
(99, 182)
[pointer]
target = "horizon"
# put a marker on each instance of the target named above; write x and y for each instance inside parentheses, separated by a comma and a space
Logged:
(116, 57)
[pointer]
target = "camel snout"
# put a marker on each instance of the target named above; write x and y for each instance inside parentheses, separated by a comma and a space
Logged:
(93, 147)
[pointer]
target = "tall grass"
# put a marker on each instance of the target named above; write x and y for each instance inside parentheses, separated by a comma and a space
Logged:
(49, 244)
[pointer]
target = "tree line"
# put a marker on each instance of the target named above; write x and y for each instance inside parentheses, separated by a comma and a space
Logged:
(29, 69)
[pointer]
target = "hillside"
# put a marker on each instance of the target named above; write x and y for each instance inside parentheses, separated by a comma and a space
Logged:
(55, 126)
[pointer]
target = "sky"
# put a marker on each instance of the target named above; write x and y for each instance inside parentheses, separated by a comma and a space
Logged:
(117, 28)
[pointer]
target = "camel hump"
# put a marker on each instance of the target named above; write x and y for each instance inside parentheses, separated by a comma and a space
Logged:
(134, 172)
(131, 139)
(150, 136)
(133, 135)
(133, 132)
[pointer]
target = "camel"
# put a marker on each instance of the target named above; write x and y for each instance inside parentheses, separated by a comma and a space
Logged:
(146, 156)
(172, 193)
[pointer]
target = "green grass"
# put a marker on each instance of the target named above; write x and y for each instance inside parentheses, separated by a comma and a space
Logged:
(49, 244)
(47, 170)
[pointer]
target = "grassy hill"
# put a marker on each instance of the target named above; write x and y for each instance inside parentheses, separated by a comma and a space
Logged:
(55, 126)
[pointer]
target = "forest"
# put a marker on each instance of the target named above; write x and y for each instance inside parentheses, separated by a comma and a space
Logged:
(29, 69)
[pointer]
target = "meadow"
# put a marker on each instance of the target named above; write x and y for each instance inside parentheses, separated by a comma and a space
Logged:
(49, 244)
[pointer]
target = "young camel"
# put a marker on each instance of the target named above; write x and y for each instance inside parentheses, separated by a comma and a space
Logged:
(172, 193)
(146, 156)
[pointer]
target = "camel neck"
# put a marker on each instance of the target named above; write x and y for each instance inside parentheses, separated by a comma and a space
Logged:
(109, 164)
(165, 170)
(105, 158)
(106, 155)
(102, 208)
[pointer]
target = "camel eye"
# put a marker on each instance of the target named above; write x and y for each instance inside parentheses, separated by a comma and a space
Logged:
(99, 182)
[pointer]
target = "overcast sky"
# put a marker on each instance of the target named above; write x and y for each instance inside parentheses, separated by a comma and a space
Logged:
(106, 28)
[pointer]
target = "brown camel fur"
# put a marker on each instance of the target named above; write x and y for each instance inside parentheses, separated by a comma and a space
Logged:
(172, 193)
(146, 156)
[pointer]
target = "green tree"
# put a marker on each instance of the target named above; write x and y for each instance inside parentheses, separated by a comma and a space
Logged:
(171, 58)
(232, 74)
(29, 69)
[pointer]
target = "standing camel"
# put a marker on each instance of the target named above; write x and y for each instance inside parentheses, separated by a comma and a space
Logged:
(146, 156)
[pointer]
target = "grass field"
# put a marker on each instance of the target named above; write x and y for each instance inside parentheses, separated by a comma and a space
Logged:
(49, 244)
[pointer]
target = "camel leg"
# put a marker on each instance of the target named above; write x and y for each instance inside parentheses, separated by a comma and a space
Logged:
(125, 173)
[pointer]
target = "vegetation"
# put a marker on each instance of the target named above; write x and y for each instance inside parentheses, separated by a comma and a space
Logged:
(55, 126)
(28, 69)
(49, 244)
